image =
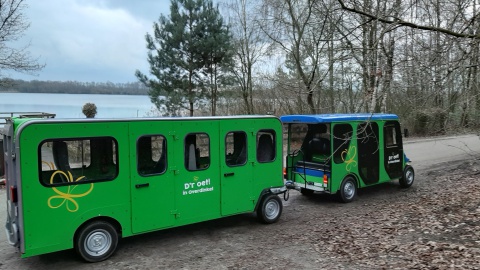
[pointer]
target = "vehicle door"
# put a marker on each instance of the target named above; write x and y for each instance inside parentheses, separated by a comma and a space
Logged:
(368, 152)
(197, 182)
(267, 161)
(236, 169)
(152, 181)
(344, 154)
(393, 149)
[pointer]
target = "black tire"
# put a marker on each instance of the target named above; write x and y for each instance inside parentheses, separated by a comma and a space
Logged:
(306, 192)
(270, 209)
(348, 190)
(96, 241)
(408, 177)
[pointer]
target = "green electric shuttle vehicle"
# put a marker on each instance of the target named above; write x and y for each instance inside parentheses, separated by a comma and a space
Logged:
(86, 183)
(339, 153)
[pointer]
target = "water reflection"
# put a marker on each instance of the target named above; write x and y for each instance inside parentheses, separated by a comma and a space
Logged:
(70, 105)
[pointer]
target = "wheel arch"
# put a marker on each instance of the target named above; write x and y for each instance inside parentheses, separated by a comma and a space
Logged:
(355, 178)
(114, 222)
(265, 192)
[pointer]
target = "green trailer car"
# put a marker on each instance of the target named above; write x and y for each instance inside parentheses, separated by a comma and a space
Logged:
(339, 153)
(86, 183)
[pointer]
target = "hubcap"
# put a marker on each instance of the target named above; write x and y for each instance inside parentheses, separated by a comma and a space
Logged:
(272, 209)
(349, 190)
(409, 176)
(98, 242)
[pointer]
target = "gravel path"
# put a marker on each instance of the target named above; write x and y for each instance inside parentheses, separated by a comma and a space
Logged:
(435, 224)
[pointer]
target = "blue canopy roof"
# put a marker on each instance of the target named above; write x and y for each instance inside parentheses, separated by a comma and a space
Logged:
(328, 118)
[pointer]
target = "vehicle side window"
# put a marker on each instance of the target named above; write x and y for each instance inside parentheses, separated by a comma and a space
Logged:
(236, 148)
(392, 135)
(151, 155)
(71, 161)
(266, 146)
(342, 135)
(197, 151)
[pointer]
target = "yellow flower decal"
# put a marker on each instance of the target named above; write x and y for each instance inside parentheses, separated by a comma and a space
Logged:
(348, 156)
(67, 198)
(49, 164)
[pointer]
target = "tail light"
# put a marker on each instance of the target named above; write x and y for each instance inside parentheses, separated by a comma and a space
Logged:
(325, 180)
(13, 194)
(284, 172)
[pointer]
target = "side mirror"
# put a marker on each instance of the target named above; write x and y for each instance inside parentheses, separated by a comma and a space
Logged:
(405, 133)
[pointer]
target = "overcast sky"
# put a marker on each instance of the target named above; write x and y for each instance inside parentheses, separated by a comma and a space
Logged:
(90, 40)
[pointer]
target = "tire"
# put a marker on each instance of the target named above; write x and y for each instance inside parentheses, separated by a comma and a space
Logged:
(270, 209)
(408, 177)
(306, 192)
(96, 241)
(348, 190)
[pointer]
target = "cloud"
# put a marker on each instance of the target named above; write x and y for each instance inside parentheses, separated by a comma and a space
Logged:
(106, 37)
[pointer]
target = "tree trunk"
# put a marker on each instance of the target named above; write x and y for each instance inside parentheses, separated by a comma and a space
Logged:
(250, 108)
(388, 72)
(190, 92)
(331, 81)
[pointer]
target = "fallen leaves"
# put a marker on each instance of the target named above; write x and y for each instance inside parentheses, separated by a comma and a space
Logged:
(435, 227)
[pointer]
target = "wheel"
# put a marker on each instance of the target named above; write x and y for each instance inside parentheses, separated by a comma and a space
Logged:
(306, 192)
(96, 241)
(408, 177)
(270, 209)
(348, 190)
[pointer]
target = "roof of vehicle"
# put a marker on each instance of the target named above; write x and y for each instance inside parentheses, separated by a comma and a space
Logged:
(24, 121)
(328, 118)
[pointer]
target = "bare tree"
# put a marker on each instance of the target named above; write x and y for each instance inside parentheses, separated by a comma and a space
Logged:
(472, 102)
(12, 27)
(294, 28)
(364, 38)
(353, 6)
(419, 59)
(251, 45)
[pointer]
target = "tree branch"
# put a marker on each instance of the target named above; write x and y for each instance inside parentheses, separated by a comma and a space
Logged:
(401, 22)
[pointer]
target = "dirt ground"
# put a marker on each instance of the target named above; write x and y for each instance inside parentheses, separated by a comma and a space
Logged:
(435, 224)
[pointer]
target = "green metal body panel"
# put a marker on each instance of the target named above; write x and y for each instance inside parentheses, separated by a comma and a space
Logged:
(49, 216)
(47, 223)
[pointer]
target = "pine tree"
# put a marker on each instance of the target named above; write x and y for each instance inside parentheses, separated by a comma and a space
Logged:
(219, 54)
(179, 56)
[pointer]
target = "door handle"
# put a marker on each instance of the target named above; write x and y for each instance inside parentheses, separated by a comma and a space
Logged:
(228, 174)
(142, 185)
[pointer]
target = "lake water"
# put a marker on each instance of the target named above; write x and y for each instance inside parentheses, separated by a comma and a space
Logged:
(70, 105)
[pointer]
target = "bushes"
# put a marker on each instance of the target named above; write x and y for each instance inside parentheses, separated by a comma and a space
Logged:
(430, 122)
(90, 110)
